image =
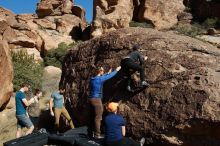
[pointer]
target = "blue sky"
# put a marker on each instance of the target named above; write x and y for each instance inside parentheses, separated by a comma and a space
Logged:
(29, 6)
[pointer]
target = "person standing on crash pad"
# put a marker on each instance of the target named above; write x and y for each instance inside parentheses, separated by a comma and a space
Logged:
(22, 116)
(57, 101)
(95, 97)
(134, 61)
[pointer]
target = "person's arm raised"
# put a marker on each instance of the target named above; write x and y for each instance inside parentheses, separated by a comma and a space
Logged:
(110, 75)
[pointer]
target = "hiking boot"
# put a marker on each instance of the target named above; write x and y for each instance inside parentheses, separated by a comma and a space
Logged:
(145, 84)
(142, 141)
(98, 136)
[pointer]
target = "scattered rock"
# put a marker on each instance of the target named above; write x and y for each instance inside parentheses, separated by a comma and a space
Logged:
(211, 31)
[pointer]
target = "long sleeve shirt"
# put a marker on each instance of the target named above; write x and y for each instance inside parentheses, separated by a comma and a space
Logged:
(136, 56)
(96, 84)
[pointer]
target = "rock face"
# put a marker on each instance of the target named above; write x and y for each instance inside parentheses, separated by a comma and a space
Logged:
(6, 72)
(31, 31)
(111, 15)
(181, 107)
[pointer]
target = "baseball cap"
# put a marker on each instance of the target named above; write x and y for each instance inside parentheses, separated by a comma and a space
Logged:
(112, 106)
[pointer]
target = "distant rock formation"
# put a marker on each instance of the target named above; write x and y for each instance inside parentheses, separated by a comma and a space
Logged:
(181, 107)
(54, 7)
(36, 34)
(110, 15)
(27, 31)
(162, 14)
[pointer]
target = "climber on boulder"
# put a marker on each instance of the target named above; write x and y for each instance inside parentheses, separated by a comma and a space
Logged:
(134, 61)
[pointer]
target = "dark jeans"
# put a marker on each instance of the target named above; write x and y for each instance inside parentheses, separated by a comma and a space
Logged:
(123, 142)
(96, 116)
(127, 64)
(35, 121)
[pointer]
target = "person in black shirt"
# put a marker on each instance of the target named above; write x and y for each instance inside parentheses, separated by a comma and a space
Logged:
(134, 61)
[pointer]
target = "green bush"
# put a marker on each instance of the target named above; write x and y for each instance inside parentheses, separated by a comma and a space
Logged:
(140, 24)
(26, 70)
(54, 57)
(192, 31)
(211, 22)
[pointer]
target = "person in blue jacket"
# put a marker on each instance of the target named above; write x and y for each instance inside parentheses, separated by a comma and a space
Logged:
(95, 96)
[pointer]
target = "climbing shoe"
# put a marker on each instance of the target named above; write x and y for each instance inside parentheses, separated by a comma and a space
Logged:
(142, 141)
(98, 136)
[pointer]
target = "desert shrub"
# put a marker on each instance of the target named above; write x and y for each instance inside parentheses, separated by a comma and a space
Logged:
(27, 70)
(191, 31)
(211, 22)
(140, 24)
(54, 57)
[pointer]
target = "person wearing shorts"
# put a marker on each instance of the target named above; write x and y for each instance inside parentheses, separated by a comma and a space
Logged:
(22, 103)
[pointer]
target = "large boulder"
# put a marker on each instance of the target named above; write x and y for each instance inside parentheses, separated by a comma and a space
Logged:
(181, 107)
(6, 76)
(111, 15)
(160, 13)
(51, 78)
